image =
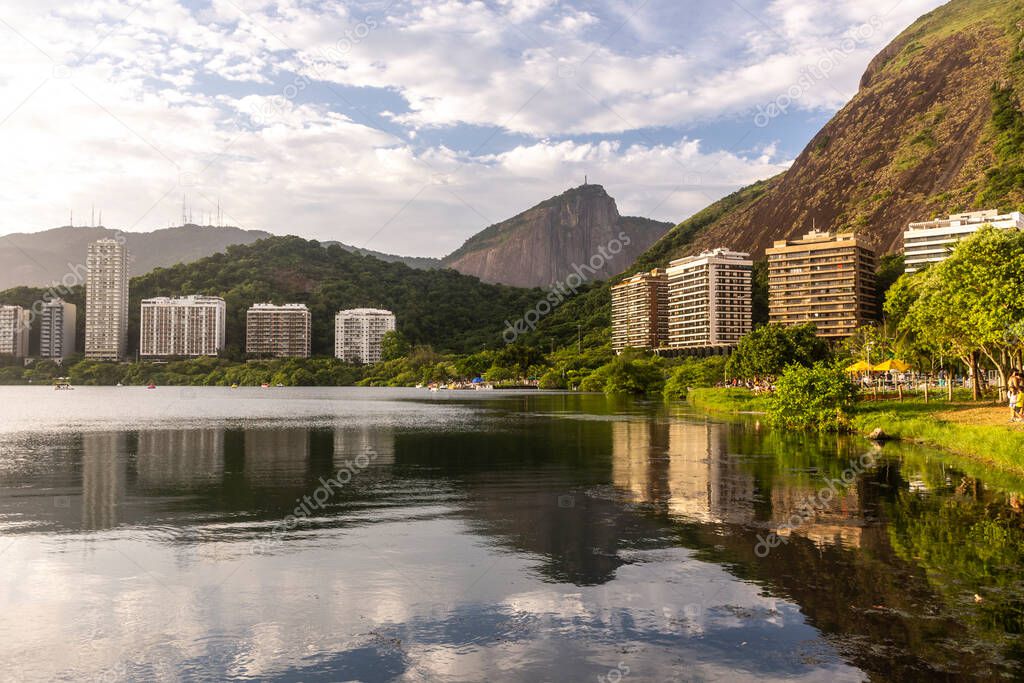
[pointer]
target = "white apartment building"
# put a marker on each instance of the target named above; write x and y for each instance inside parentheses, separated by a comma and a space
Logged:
(930, 242)
(183, 326)
(57, 320)
(278, 331)
(106, 300)
(709, 299)
(14, 329)
(358, 333)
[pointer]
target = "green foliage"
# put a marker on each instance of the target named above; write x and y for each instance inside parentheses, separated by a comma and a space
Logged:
(1006, 178)
(769, 349)
(759, 293)
(820, 397)
(890, 268)
(394, 345)
(726, 400)
(694, 373)
(629, 375)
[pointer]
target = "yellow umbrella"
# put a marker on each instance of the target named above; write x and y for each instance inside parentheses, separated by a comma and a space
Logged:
(859, 366)
(892, 365)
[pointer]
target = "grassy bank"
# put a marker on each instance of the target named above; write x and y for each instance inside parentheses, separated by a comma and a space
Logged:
(981, 432)
(728, 400)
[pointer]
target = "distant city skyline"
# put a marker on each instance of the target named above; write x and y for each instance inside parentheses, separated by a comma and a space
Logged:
(365, 122)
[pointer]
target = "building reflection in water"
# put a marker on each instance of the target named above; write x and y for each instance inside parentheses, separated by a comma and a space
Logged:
(180, 458)
(104, 467)
(377, 443)
(277, 457)
(838, 519)
(684, 469)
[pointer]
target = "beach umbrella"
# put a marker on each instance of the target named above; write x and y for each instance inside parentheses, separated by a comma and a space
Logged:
(894, 365)
(859, 366)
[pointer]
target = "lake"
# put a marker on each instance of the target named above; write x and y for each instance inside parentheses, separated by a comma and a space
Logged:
(398, 535)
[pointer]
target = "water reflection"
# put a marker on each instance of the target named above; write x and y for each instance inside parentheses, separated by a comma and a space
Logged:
(530, 540)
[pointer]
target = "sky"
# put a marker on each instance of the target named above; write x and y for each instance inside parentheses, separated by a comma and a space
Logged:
(407, 126)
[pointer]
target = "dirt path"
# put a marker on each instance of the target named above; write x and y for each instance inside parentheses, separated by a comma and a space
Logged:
(987, 415)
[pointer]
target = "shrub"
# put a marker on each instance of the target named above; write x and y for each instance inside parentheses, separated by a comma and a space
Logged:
(820, 397)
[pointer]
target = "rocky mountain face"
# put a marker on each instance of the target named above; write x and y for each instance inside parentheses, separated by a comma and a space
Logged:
(44, 258)
(543, 245)
(936, 128)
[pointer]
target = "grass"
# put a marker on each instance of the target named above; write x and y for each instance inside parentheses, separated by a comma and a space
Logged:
(727, 400)
(981, 432)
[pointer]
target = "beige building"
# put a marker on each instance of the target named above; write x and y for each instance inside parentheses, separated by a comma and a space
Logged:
(278, 331)
(640, 311)
(57, 320)
(358, 333)
(14, 329)
(182, 327)
(106, 300)
(823, 279)
(930, 242)
(709, 299)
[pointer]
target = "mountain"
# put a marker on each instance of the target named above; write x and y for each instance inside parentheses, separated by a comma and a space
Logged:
(543, 245)
(935, 128)
(443, 308)
(42, 258)
(420, 262)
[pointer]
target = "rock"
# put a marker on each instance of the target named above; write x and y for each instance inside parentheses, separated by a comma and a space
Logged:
(879, 435)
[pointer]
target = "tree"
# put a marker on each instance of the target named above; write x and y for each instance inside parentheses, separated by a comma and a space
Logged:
(971, 303)
(819, 397)
(768, 350)
(394, 345)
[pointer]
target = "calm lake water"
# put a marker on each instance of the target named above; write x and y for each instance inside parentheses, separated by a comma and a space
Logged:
(145, 535)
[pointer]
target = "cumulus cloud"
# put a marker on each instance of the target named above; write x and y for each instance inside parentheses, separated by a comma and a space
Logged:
(404, 125)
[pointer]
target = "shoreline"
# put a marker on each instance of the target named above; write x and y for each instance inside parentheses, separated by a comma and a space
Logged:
(961, 429)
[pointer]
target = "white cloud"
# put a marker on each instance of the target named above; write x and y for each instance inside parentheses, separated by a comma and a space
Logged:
(109, 105)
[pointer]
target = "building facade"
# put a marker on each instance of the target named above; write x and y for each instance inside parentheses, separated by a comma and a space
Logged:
(358, 333)
(278, 331)
(930, 242)
(182, 327)
(823, 279)
(57, 320)
(106, 300)
(14, 329)
(709, 299)
(640, 311)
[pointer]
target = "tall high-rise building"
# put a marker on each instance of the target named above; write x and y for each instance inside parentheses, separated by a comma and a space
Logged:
(106, 300)
(823, 279)
(709, 299)
(14, 329)
(57, 319)
(640, 311)
(930, 242)
(183, 326)
(279, 331)
(358, 333)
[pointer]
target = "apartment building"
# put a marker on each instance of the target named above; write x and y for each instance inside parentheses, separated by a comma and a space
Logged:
(182, 326)
(358, 333)
(709, 299)
(14, 329)
(928, 242)
(279, 331)
(640, 311)
(824, 279)
(57, 321)
(106, 300)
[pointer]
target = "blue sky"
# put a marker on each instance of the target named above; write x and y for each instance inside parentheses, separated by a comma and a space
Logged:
(409, 125)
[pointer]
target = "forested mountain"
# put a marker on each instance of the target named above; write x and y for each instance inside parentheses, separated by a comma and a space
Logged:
(443, 308)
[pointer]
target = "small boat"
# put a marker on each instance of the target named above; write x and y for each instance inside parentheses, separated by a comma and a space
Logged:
(280, 385)
(264, 386)
(234, 386)
(63, 386)
(151, 386)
